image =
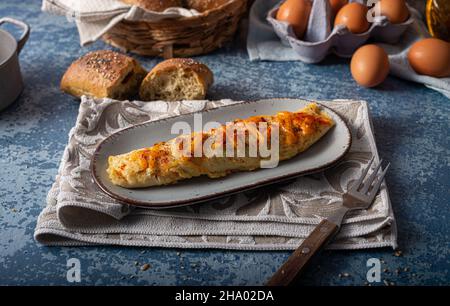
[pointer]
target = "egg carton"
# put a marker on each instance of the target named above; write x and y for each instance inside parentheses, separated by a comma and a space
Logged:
(321, 38)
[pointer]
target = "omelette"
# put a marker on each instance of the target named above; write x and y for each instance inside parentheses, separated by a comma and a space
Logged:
(177, 159)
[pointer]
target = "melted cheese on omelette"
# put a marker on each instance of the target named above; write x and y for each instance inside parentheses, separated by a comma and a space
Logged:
(163, 164)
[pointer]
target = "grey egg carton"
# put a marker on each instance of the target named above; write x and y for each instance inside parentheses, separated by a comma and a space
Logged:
(321, 38)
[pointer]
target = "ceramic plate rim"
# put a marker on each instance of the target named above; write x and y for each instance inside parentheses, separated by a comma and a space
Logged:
(172, 204)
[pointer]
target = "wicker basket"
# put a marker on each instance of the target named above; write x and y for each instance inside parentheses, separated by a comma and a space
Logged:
(179, 37)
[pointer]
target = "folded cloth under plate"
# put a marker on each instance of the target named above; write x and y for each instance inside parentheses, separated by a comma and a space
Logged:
(277, 217)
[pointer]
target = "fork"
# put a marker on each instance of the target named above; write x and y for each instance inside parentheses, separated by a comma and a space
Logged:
(359, 196)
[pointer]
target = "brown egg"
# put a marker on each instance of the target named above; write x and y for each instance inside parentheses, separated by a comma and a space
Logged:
(369, 65)
(336, 5)
(396, 11)
(430, 56)
(354, 17)
(296, 13)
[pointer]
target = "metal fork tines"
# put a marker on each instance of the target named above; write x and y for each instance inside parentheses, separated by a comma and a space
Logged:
(365, 190)
(359, 196)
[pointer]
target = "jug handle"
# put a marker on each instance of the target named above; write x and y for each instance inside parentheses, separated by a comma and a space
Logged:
(25, 34)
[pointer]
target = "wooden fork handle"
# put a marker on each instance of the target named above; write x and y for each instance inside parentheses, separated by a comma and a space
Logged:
(301, 256)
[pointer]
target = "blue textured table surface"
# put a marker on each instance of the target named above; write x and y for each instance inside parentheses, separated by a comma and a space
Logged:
(412, 127)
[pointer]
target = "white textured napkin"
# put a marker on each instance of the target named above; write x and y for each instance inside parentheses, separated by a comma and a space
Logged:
(264, 44)
(273, 218)
(95, 17)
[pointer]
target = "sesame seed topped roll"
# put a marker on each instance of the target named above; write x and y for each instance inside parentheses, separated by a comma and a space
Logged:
(103, 73)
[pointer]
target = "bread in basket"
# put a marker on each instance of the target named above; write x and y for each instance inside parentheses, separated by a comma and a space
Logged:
(182, 36)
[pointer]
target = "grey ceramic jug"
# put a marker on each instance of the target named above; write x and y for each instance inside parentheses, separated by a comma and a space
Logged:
(11, 84)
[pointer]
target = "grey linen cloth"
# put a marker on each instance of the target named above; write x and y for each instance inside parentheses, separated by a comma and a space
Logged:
(277, 217)
(95, 17)
(264, 44)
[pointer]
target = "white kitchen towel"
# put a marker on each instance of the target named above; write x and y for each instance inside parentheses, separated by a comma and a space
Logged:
(264, 44)
(95, 17)
(277, 217)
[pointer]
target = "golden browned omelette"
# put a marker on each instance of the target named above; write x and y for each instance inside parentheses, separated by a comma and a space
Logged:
(167, 162)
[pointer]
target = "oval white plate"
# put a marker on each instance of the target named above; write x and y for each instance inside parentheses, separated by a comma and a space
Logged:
(323, 154)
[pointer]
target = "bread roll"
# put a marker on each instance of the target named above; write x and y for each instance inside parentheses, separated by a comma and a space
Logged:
(155, 5)
(103, 73)
(204, 5)
(177, 79)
